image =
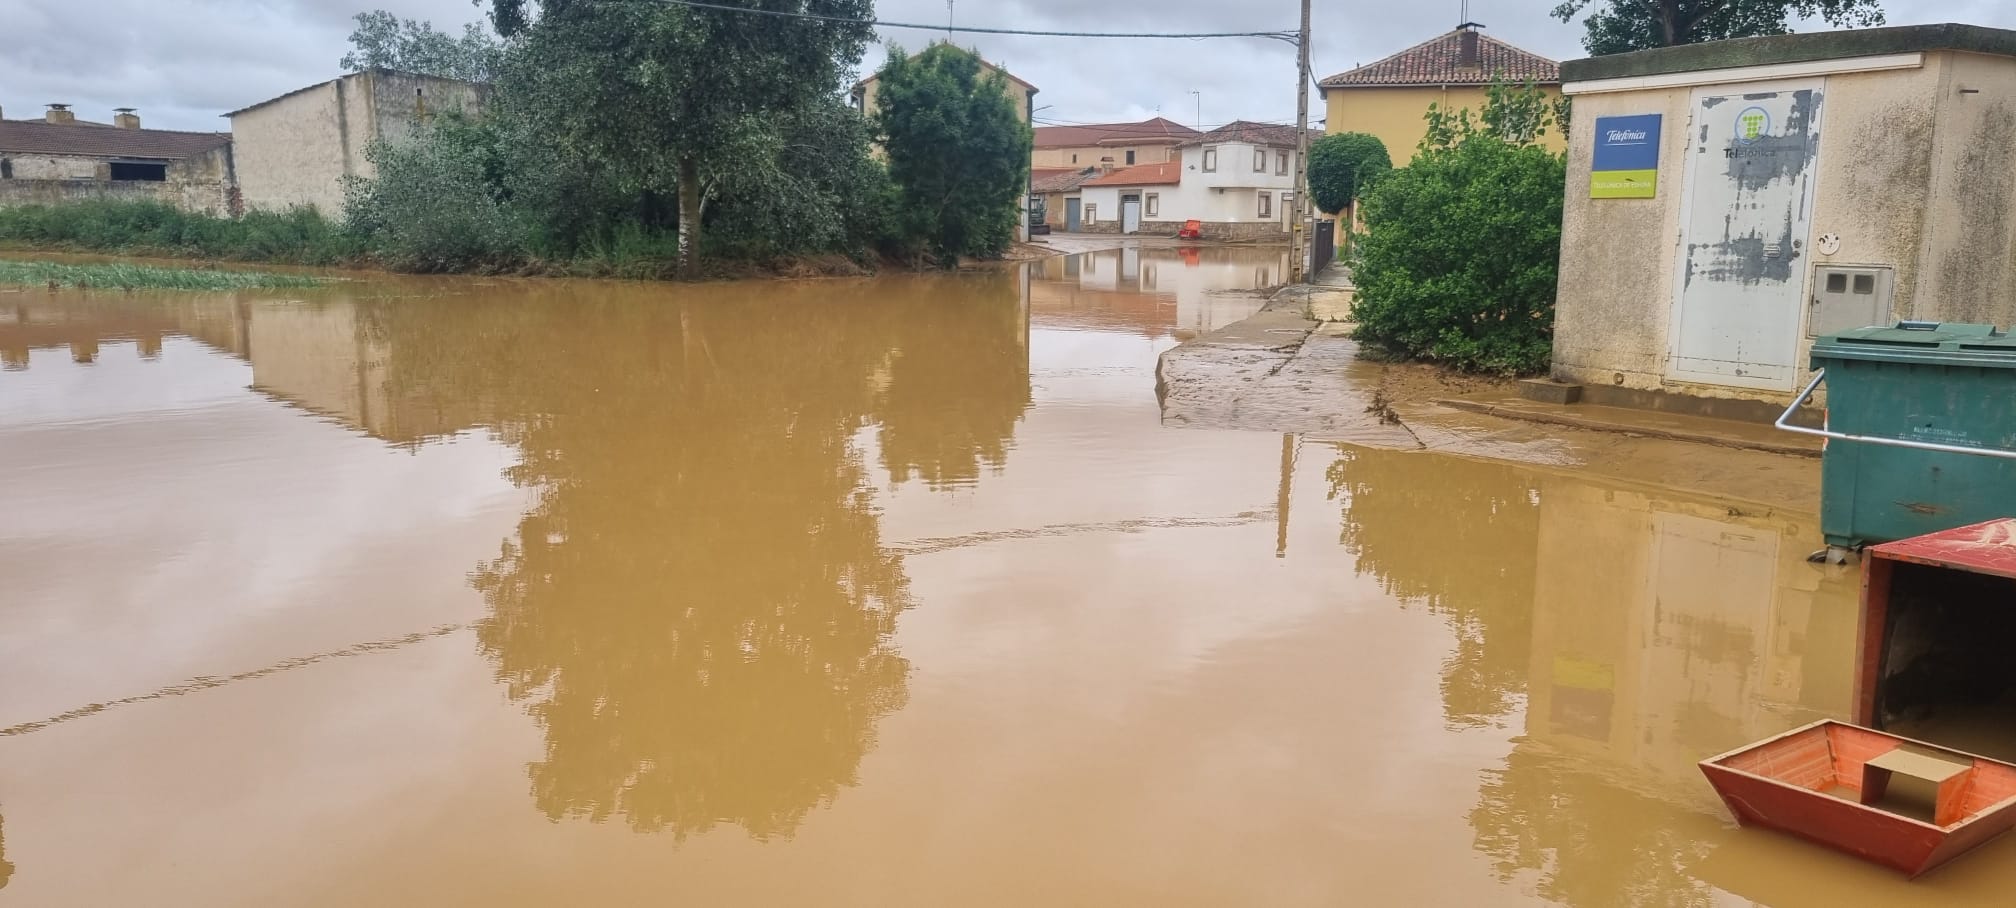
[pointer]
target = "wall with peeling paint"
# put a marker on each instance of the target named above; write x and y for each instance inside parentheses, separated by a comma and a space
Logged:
(1917, 171)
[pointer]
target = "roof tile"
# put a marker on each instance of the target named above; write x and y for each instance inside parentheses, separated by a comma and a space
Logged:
(1157, 130)
(1142, 175)
(1437, 61)
(38, 137)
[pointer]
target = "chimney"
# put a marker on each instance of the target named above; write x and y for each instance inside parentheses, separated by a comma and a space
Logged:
(59, 113)
(125, 118)
(1468, 54)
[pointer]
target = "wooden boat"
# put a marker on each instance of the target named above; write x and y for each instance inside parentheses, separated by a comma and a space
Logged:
(1832, 783)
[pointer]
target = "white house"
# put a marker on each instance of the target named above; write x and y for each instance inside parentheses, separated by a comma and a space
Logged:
(1237, 182)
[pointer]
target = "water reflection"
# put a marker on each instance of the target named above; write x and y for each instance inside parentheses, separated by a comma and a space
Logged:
(6, 868)
(1456, 536)
(698, 610)
(1155, 291)
(1666, 628)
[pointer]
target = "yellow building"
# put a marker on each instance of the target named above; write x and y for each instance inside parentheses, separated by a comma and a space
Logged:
(862, 96)
(1389, 98)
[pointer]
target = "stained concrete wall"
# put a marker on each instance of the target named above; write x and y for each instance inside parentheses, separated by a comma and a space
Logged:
(201, 183)
(1912, 174)
(296, 149)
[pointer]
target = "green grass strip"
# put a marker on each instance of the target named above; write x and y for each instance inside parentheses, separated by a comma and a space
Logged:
(119, 276)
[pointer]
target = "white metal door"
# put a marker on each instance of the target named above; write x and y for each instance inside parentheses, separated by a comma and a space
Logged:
(1130, 216)
(1751, 165)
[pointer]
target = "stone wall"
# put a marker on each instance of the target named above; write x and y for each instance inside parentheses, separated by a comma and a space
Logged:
(198, 184)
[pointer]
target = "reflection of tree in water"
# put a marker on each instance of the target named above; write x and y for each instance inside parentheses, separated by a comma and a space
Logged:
(698, 609)
(1592, 842)
(951, 405)
(1460, 536)
(6, 869)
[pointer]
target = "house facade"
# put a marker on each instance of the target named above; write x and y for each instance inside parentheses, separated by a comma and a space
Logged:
(296, 149)
(1730, 202)
(1390, 97)
(1110, 145)
(1237, 182)
(1057, 194)
(59, 159)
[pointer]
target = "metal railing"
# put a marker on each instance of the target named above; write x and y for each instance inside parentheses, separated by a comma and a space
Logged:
(1806, 396)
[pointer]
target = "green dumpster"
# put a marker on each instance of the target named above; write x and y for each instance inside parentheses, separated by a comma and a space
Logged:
(1921, 429)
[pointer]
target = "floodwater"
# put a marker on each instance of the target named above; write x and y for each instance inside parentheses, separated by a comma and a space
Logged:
(878, 592)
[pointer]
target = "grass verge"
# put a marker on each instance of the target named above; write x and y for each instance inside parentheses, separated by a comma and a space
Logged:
(119, 276)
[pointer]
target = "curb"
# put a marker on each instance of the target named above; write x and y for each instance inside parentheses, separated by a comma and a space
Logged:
(1597, 425)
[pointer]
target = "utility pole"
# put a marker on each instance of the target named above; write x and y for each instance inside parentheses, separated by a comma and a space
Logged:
(1298, 250)
(1200, 109)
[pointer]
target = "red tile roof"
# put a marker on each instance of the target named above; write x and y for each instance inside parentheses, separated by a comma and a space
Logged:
(1253, 134)
(90, 140)
(1157, 131)
(1043, 180)
(1437, 62)
(1142, 175)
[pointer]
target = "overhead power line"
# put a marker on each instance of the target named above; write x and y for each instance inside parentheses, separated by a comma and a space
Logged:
(1288, 36)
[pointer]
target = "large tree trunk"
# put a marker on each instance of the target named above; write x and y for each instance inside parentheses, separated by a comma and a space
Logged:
(689, 217)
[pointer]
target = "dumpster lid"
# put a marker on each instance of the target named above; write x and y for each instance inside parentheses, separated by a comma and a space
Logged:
(1929, 343)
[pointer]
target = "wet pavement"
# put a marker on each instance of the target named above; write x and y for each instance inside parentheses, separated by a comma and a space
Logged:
(896, 591)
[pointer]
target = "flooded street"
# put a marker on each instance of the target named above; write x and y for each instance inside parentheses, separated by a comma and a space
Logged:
(893, 591)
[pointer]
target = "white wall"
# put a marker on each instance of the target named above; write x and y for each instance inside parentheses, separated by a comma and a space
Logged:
(1230, 194)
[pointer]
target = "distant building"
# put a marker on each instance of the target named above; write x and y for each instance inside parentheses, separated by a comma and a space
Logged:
(1057, 194)
(862, 97)
(295, 150)
(1111, 145)
(1237, 182)
(1389, 98)
(60, 158)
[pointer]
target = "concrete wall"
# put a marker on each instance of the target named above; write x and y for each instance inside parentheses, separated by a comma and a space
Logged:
(296, 150)
(1089, 155)
(1913, 174)
(197, 184)
(1395, 114)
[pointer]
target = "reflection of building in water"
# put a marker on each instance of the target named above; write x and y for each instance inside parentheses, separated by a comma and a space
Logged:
(1157, 290)
(324, 358)
(83, 323)
(1667, 628)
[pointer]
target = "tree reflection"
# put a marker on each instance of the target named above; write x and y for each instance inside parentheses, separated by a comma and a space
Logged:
(6, 868)
(698, 608)
(1589, 841)
(1458, 536)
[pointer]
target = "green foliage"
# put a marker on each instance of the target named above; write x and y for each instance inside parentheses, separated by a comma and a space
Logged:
(144, 277)
(1343, 166)
(1458, 262)
(435, 204)
(958, 151)
(1618, 26)
(385, 41)
(298, 236)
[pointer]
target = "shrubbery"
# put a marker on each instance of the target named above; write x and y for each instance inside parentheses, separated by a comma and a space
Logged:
(1459, 256)
(298, 236)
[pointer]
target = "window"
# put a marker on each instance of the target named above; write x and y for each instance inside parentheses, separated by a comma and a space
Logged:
(6, 169)
(1074, 159)
(1281, 163)
(152, 173)
(1287, 206)
(1130, 156)
(1154, 204)
(1259, 160)
(1091, 214)
(1266, 204)
(1210, 160)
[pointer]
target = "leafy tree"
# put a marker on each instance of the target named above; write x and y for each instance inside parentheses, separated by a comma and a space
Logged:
(1459, 259)
(435, 203)
(1618, 26)
(1343, 166)
(385, 41)
(673, 101)
(958, 151)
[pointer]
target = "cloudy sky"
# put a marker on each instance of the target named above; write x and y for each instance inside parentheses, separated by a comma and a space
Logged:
(183, 63)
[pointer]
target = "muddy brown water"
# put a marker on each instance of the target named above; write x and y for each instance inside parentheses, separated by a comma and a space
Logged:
(878, 592)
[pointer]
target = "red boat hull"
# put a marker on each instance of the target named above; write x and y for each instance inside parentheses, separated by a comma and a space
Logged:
(1782, 784)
